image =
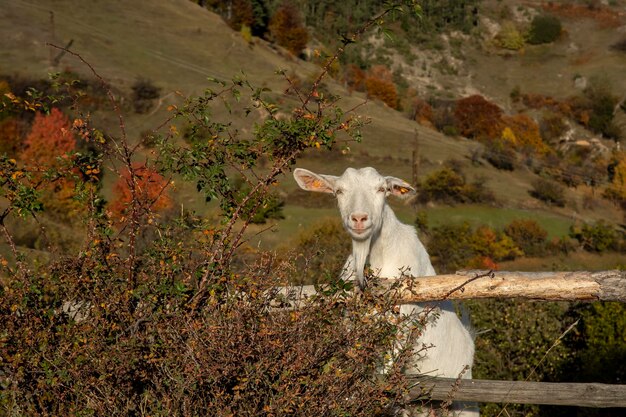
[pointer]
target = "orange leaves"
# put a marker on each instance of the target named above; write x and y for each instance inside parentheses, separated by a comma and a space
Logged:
(11, 135)
(287, 29)
(477, 118)
(379, 84)
(522, 131)
(49, 138)
(423, 112)
(146, 186)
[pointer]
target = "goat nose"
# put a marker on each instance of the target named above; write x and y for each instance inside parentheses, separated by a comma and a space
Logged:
(359, 217)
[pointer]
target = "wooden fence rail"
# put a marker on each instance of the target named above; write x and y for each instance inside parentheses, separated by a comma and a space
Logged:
(520, 392)
(548, 286)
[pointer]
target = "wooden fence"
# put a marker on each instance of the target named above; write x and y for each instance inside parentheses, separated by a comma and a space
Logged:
(548, 286)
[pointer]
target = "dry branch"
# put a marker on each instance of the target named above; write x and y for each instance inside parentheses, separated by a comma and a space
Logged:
(548, 286)
(521, 392)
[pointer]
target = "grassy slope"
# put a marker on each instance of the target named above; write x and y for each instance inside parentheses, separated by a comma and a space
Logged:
(177, 45)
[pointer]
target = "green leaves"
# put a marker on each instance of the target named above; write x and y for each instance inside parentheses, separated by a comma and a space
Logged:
(18, 188)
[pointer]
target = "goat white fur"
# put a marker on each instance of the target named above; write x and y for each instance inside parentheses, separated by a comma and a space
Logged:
(393, 249)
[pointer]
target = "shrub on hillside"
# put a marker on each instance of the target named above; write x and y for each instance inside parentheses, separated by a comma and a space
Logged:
(525, 134)
(495, 245)
(596, 237)
(422, 112)
(449, 186)
(477, 191)
(544, 29)
(457, 246)
(500, 154)
(548, 191)
(50, 135)
(443, 118)
(510, 37)
(619, 46)
(287, 29)
(616, 190)
(528, 235)
(240, 14)
(552, 127)
(478, 118)
(449, 247)
(144, 94)
(602, 103)
(354, 77)
(444, 185)
(379, 85)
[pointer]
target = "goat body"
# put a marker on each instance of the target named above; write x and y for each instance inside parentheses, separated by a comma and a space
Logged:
(393, 250)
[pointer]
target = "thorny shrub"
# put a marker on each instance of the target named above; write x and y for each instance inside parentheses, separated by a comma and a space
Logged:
(154, 315)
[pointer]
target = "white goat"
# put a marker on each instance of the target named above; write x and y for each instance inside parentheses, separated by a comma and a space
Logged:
(393, 249)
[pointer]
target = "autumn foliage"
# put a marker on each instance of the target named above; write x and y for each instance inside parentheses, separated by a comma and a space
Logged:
(149, 189)
(423, 112)
(287, 28)
(476, 117)
(354, 78)
(11, 135)
(49, 136)
(604, 16)
(523, 133)
(379, 85)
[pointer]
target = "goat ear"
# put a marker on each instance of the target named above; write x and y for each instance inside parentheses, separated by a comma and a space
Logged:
(311, 181)
(398, 187)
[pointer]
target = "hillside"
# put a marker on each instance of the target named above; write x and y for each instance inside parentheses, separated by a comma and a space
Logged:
(144, 237)
(178, 44)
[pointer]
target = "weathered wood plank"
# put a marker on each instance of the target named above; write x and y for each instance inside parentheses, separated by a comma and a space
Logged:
(521, 392)
(549, 286)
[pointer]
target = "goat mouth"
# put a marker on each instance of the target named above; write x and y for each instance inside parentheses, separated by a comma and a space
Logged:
(360, 232)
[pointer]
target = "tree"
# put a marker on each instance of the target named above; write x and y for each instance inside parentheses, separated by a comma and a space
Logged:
(528, 235)
(544, 29)
(149, 189)
(50, 136)
(287, 29)
(525, 133)
(11, 135)
(383, 90)
(476, 117)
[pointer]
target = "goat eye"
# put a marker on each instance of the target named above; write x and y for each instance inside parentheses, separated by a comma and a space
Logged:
(338, 191)
(382, 190)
